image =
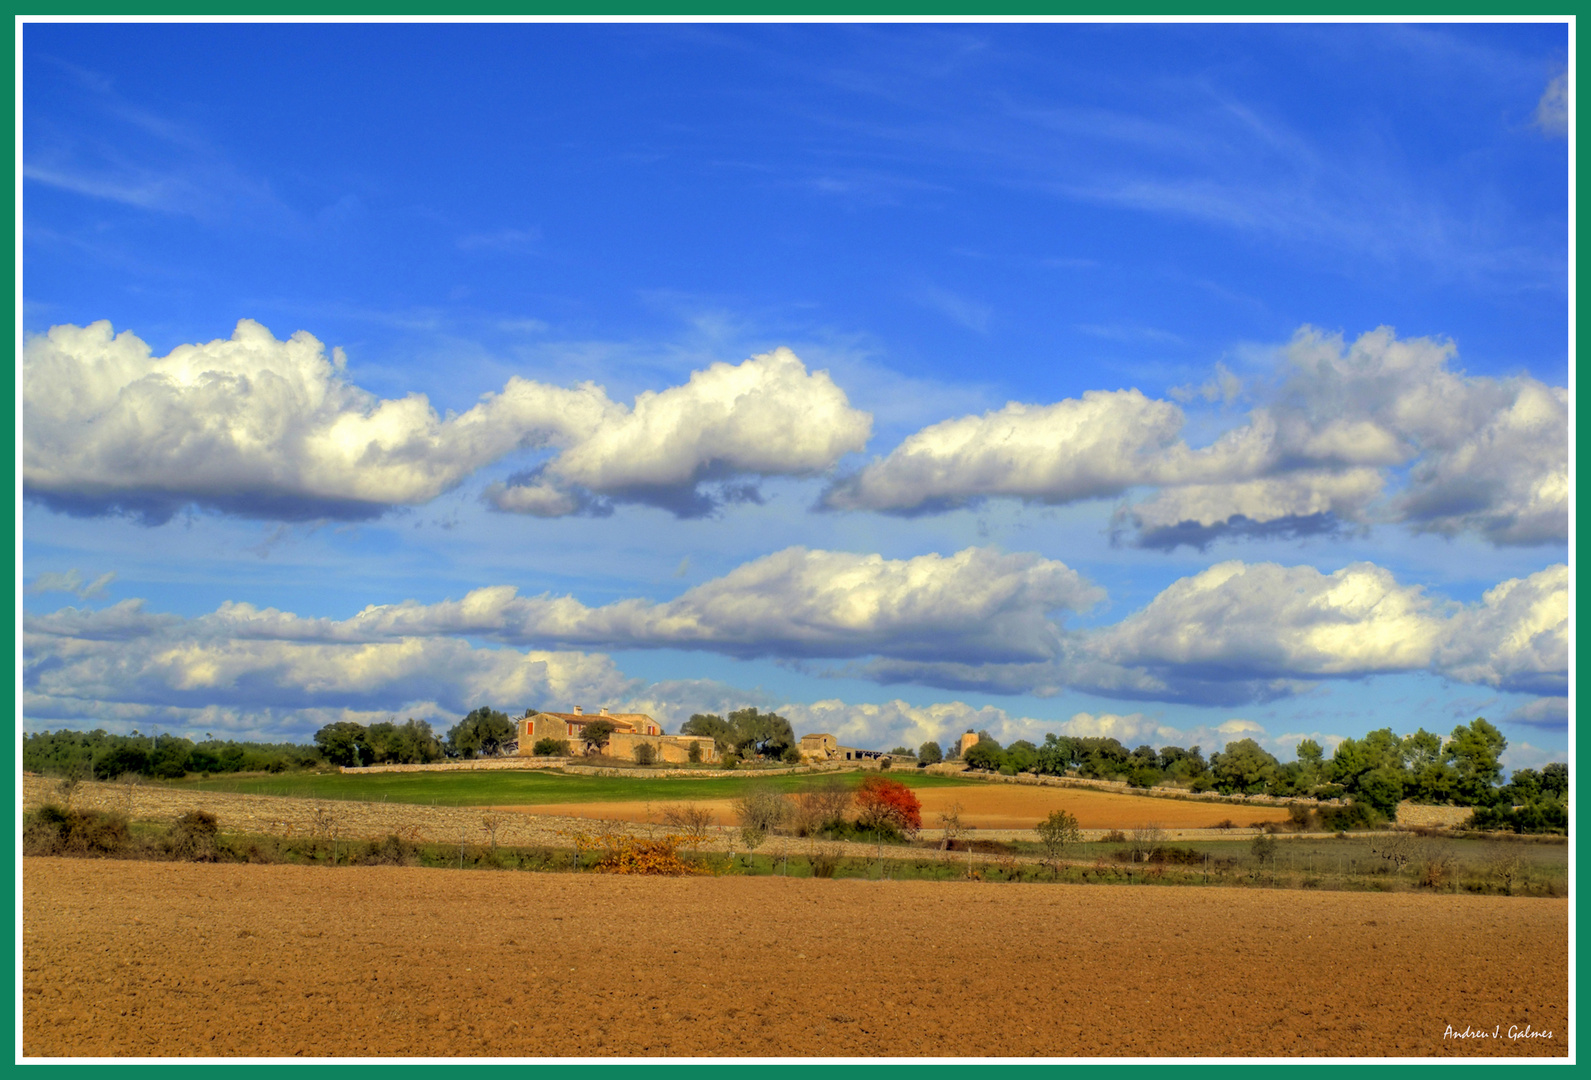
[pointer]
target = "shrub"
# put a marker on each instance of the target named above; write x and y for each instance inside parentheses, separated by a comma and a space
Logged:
(192, 837)
(791, 755)
(881, 801)
(624, 854)
(824, 862)
(689, 820)
(729, 760)
(820, 805)
(645, 754)
(1115, 836)
(394, 850)
(694, 754)
(1356, 815)
(58, 830)
(550, 747)
(1263, 847)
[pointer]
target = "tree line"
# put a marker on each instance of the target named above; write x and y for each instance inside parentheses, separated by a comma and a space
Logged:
(1377, 771)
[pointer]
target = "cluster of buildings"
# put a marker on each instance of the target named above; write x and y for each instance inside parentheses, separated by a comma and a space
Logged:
(630, 731)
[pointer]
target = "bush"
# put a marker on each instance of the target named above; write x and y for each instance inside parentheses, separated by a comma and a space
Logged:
(550, 747)
(58, 830)
(824, 862)
(1356, 815)
(791, 755)
(1263, 847)
(645, 754)
(192, 837)
(694, 754)
(394, 850)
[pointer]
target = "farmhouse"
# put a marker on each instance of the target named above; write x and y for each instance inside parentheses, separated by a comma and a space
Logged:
(630, 730)
(825, 747)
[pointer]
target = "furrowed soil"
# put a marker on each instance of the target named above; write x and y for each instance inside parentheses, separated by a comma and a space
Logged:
(988, 806)
(132, 958)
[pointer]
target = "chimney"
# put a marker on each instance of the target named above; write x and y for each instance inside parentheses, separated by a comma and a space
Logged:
(604, 710)
(577, 710)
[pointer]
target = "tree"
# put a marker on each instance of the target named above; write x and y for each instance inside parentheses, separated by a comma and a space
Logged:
(340, 742)
(1474, 751)
(645, 754)
(1058, 832)
(713, 727)
(884, 802)
(1382, 788)
(984, 755)
(1243, 766)
(595, 734)
(760, 733)
(1021, 755)
(482, 732)
(929, 753)
(1311, 763)
(1555, 780)
(902, 751)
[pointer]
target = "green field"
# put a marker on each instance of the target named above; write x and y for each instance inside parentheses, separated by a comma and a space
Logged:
(510, 788)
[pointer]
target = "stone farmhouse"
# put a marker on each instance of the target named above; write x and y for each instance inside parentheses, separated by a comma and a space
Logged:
(825, 747)
(630, 730)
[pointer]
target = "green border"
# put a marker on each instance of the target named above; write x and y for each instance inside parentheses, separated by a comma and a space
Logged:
(706, 11)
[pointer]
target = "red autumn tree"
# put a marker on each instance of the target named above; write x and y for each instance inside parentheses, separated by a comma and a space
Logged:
(882, 801)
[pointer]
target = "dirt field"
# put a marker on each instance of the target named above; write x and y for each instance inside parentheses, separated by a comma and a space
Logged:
(132, 958)
(989, 806)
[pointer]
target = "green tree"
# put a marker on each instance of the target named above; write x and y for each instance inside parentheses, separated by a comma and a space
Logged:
(929, 753)
(1382, 788)
(1058, 832)
(1244, 766)
(760, 733)
(711, 726)
(1021, 755)
(1311, 763)
(595, 734)
(1474, 751)
(984, 754)
(342, 743)
(482, 732)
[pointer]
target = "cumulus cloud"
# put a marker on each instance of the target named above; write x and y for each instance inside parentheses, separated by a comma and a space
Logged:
(1240, 633)
(179, 666)
(1379, 430)
(274, 429)
(897, 723)
(978, 603)
(768, 416)
(72, 582)
(977, 621)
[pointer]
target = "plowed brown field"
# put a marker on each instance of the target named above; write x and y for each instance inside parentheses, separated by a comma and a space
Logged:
(136, 958)
(990, 806)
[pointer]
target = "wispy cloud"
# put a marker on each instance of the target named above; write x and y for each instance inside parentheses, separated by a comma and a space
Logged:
(503, 240)
(1552, 111)
(72, 582)
(966, 313)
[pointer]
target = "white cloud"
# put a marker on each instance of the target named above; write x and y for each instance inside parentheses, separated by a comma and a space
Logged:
(1552, 111)
(1516, 638)
(274, 429)
(72, 582)
(1344, 423)
(1549, 712)
(978, 603)
(768, 416)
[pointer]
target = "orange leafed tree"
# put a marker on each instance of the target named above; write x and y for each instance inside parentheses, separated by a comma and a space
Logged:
(882, 801)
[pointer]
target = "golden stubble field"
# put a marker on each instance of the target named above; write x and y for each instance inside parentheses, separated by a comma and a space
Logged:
(136, 958)
(989, 806)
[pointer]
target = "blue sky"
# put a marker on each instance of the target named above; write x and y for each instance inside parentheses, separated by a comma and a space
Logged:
(1180, 383)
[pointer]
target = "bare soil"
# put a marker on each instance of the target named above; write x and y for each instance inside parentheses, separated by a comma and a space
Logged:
(991, 806)
(133, 958)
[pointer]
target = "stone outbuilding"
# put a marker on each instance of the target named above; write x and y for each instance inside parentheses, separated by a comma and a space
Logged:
(630, 730)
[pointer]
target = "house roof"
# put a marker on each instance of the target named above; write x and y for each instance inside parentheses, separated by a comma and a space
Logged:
(617, 719)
